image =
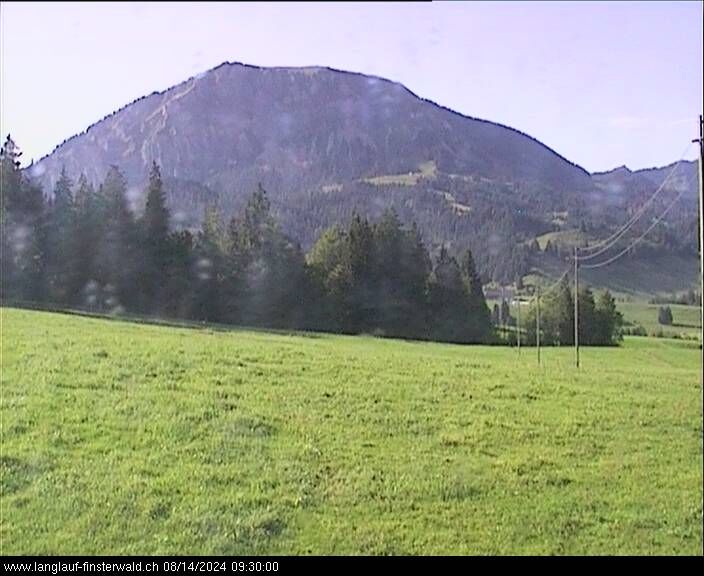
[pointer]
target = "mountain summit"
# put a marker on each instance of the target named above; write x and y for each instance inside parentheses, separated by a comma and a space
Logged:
(308, 125)
(325, 143)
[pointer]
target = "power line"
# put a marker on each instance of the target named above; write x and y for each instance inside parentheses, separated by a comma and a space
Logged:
(616, 235)
(556, 283)
(552, 286)
(611, 240)
(536, 297)
(606, 244)
(637, 240)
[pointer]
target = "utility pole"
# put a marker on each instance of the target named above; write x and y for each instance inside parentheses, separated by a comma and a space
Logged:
(504, 325)
(576, 307)
(518, 323)
(537, 324)
(701, 235)
(701, 245)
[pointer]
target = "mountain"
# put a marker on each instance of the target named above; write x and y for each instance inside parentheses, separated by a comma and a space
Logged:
(675, 177)
(325, 143)
(684, 178)
(676, 186)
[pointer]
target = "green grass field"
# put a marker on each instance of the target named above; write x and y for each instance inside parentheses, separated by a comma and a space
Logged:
(425, 170)
(124, 438)
(563, 238)
(637, 279)
(686, 319)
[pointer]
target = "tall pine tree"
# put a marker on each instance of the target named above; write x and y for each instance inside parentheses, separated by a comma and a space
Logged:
(24, 238)
(155, 238)
(448, 303)
(480, 329)
(85, 237)
(360, 254)
(61, 220)
(116, 263)
(209, 268)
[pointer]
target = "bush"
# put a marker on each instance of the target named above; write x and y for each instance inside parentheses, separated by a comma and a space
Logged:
(635, 330)
(665, 316)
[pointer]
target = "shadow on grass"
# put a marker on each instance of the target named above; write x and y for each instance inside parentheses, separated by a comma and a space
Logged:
(160, 321)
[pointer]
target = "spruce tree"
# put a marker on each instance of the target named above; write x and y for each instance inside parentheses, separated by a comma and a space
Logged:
(117, 270)
(156, 216)
(360, 254)
(562, 316)
(24, 229)
(177, 292)
(448, 303)
(665, 316)
(85, 237)
(588, 319)
(266, 269)
(479, 314)
(61, 220)
(389, 282)
(417, 268)
(11, 227)
(609, 320)
(155, 234)
(208, 265)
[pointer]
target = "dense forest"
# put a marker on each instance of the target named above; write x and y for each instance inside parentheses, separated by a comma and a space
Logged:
(93, 249)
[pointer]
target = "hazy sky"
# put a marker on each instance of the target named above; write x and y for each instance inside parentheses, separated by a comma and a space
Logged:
(602, 83)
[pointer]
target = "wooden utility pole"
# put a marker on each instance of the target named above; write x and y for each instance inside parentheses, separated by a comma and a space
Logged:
(518, 323)
(537, 323)
(576, 307)
(701, 248)
(701, 235)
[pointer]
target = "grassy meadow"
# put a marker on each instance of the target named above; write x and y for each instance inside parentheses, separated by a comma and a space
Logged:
(686, 320)
(125, 438)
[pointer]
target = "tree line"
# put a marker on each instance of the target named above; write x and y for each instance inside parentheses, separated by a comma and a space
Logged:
(93, 249)
(599, 322)
(87, 248)
(689, 298)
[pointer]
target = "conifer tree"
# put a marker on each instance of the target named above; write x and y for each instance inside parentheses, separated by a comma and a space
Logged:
(588, 320)
(360, 254)
(24, 239)
(609, 320)
(61, 219)
(448, 303)
(85, 237)
(208, 267)
(116, 265)
(479, 314)
(155, 238)
(266, 269)
(560, 322)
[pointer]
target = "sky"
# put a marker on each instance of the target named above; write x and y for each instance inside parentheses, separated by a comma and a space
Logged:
(602, 83)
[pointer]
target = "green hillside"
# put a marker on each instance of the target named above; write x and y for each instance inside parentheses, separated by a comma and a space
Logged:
(636, 279)
(686, 319)
(562, 239)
